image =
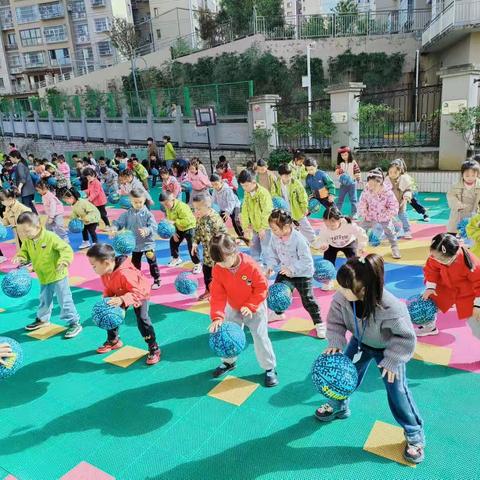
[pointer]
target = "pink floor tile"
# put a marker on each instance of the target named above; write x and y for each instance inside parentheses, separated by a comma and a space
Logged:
(85, 471)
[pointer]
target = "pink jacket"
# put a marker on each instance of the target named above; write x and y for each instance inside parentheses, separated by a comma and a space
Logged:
(378, 207)
(52, 205)
(64, 168)
(95, 193)
(198, 180)
(172, 186)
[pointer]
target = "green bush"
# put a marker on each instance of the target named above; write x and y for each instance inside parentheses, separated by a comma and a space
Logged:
(278, 157)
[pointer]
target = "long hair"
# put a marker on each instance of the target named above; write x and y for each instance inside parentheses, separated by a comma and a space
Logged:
(447, 245)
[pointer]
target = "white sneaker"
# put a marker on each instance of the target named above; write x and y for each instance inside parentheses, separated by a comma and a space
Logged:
(197, 269)
(396, 253)
(3, 259)
(407, 236)
(175, 262)
(275, 317)
(321, 329)
(84, 245)
(427, 330)
(156, 285)
(327, 286)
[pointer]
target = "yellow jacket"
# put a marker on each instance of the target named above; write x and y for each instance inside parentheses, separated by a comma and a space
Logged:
(10, 217)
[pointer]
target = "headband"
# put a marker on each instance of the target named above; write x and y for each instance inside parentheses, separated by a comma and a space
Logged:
(344, 150)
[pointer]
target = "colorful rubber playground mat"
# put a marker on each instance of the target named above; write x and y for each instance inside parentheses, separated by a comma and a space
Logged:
(70, 414)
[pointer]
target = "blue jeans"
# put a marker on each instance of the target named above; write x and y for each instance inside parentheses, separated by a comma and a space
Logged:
(400, 398)
(259, 247)
(402, 216)
(57, 227)
(61, 289)
(351, 191)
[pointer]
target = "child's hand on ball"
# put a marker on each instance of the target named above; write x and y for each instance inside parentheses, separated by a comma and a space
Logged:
(246, 312)
(115, 302)
(285, 271)
(5, 352)
(331, 351)
(428, 293)
(214, 326)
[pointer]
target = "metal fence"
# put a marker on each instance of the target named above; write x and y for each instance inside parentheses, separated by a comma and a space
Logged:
(407, 117)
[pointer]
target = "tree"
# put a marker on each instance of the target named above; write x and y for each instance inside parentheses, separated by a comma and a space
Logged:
(124, 37)
(345, 6)
(465, 123)
(208, 25)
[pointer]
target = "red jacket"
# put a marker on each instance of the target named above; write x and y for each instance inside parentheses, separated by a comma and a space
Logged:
(245, 287)
(229, 176)
(95, 193)
(126, 282)
(455, 284)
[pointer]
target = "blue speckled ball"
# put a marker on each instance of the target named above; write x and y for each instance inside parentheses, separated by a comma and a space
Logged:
(114, 198)
(314, 205)
(421, 311)
(346, 179)
(125, 202)
(106, 188)
(185, 285)
(334, 376)
(3, 231)
(17, 283)
(155, 172)
(76, 182)
(324, 271)
(186, 186)
(124, 242)
(105, 316)
(228, 341)
(279, 297)
(6, 185)
(374, 238)
(462, 227)
(165, 229)
(83, 194)
(75, 225)
(279, 202)
(52, 181)
(122, 167)
(13, 363)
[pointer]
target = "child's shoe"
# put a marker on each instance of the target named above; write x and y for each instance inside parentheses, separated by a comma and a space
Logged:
(223, 369)
(197, 269)
(275, 317)
(427, 330)
(396, 253)
(153, 356)
(321, 329)
(426, 218)
(326, 413)
(73, 331)
(407, 236)
(327, 286)
(83, 245)
(175, 262)
(156, 284)
(414, 453)
(204, 296)
(36, 325)
(108, 346)
(271, 378)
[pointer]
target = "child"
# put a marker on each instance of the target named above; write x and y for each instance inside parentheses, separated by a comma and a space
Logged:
(294, 194)
(170, 183)
(318, 184)
(86, 212)
(346, 165)
(378, 205)
(264, 177)
(473, 233)
(50, 257)
(155, 164)
(209, 224)
(54, 210)
(126, 286)
(226, 173)
(13, 209)
(291, 253)
(464, 197)
(64, 168)
(200, 182)
(127, 182)
(142, 223)
(181, 215)
(452, 277)
(168, 151)
(140, 172)
(96, 195)
(228, 203)
(299, 172)
(108, 176)
(257, 207)
(340, 235)
(382, 331)
(62, 181)
(245, 304)
(401, 185)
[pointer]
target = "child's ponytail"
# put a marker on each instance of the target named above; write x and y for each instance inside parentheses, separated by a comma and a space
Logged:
(334, 213)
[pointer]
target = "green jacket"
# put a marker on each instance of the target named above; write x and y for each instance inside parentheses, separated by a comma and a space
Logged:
(182, 216)
(169, 152)
(298, 172)
(140, 172)
(297, 197)
(85, 211)
(46, 253)
(207, 227)
(256, 209)
(473, 232)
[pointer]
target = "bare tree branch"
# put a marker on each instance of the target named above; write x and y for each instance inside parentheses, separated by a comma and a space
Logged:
(124, 37)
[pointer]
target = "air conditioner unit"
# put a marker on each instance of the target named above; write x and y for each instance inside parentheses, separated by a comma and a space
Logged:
(83, 39)
(69, 7)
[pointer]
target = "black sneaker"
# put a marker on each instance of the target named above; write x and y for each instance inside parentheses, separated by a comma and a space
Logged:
(426, 218)
(223, 369)
(271, 378)
(36, 325)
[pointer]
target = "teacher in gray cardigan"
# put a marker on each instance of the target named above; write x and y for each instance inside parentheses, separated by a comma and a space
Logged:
(23, 180)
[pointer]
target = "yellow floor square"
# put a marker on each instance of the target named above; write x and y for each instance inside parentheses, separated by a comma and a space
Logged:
(298, 325)
(414, 252)
(431, 199)
(387, 441)
(46, 332)
(125, 356)
(76, 280)
(233, 390)
(187, 265)
(433, 354)
(200, 307)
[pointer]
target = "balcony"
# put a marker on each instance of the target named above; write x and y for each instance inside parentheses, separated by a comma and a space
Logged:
(82, 39)
(98, 3)
(37, 61)
(457, 20)
(14, 69)
(50, 11)
(56, 38)
(64, 62)
(11, 46)
(24, 88)
(78, 15)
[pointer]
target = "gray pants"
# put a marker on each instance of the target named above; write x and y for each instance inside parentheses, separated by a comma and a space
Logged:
(306, 229)
(388, 228)
(258, 326)
(57, 227)
(258, 247)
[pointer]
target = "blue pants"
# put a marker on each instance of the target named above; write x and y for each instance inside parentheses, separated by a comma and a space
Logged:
(402, 216)
(400, 398)
(61, 289)
(258, 247)
(57, 227)
(351, 191)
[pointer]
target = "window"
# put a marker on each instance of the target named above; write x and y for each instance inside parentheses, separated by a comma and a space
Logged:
(159, 33)
(78, 10)
(51, 10)
(31, 37)
(102, 24)
(104, 48)
(81, 33)
(6, 17)
(84, 55)
(57, 33)
(2, 83)
(155, 12)
(11, 40)
(27, 14)
(60, 56)
(15, 61)
(34, 59)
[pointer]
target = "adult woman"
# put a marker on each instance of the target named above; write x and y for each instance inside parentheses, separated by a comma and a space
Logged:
(23, 180)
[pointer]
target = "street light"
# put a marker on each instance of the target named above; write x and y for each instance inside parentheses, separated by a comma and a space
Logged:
(307, 82)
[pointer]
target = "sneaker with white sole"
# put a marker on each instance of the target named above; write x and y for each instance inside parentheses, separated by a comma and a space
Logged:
(327, 286)
(396, 253)
(197, 269)
(427, 330)
(175, 262)
(407, 236)
(275, 317)
(156, 284)
(321, 330)
(36, 325)
(3, 259)
(84, 245)
(73, 331)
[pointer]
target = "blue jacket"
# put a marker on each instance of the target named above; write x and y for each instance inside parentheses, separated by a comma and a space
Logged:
(134, 220)
(320, 181)
(226, 199)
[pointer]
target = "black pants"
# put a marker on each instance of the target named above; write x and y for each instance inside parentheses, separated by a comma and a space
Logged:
(237, 226)
(144, 324)
(188, 236)
(103, 215)
(331, 252)
(418, 207)
(305, 289)
(152, 262)
(90, 229)
(154, 180)
(28, 202)
(207, 276)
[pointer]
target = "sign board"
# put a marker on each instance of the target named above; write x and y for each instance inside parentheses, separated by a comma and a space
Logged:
(339, 117)
(453, 106)
(259, 124)
(205, 116)
(305, 81)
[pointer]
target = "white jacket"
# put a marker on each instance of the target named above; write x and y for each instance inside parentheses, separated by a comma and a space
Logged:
(343, 236)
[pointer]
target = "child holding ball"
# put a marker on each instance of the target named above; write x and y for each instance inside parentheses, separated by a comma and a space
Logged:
(245, 304)
(346, 165)
(381, 331)
(53, 209)
(126, 287)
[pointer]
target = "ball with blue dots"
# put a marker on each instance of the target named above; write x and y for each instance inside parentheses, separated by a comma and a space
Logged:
(346, 179)
(106, 188)
(35, 177)
(324, 271)
(76, 182)
(314, 205)
(279, 203)
(114, 198)
(462, 227)
(228, 341)
(155, 172)
(106, 316)
(165, 229)
(374, 238)
(125, 202)
(421, 311)
(13, 363)
(3, 231)
(334, 376)
(124, 242)
(186, 186)
(75, 225)
(17, 283)
(279, 297)
(185, 285)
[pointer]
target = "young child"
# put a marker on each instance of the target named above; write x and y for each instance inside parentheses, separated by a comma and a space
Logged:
(226, 173)
(264, 177)
(96, 195)
(464, 197)
(170, 183)
(62, 181)
(378, 205)
(290, 251)
(401, 185)
(13, 209)
(256, 209)
(50, 257)
(54, 210)
(299, 172)
(126, 286)
(245, 304)
(382, 331)
(169, 153)
(200, 182)
(142, 223)
(348, 166)
(294, 194)
(318, 184)
(181, 216)
(209, 224)
(86, 212)
(64, 168)
(228, 203)
(452, 278)
(140, 172)
(127, 182)
(339, 235)
(108, 176)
